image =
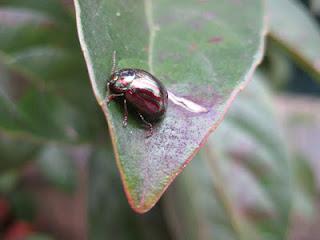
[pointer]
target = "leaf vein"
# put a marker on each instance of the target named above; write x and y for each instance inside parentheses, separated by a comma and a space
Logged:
(152, 31)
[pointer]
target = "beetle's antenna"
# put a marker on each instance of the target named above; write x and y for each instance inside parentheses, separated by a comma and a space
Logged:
(113, 69)
(113, 62)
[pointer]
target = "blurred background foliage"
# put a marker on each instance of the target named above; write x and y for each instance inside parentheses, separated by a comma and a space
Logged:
(257, 177)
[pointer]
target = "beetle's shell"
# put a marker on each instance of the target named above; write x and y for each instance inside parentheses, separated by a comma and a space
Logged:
(144, 92)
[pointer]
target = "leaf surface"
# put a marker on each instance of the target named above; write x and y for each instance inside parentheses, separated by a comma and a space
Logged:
(202, 51)
(240, 186)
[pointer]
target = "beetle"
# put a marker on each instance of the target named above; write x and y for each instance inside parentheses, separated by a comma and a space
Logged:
(141, 90)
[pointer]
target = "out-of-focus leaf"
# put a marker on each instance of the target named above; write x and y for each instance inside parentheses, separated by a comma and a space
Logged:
(8, 181)
(301, 118)
(23, 206)
(39, 236)
(51, 89)
(239, 187)
(278, 66)
(202, 51)
(53, 10)
(315, 6)
(110, 217)
(294, 29)
(22, 28)
(10, 157)
(305, 187)
(34, 111)
(304, 175)
(57, 167)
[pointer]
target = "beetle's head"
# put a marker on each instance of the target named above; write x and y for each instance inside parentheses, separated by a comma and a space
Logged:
(120, 80)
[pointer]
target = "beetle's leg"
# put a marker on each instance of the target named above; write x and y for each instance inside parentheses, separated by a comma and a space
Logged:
(149, 125)
(125, 118)
(113, 69)
(111, 97)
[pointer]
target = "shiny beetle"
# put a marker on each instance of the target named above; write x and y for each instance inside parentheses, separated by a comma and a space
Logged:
(144, 92)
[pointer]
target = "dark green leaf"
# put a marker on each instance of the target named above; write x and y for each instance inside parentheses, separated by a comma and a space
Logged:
(8, 181)
(46, 85)
(10, 158)
(23, 205)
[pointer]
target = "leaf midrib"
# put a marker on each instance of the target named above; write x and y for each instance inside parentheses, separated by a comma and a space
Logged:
(152, 32)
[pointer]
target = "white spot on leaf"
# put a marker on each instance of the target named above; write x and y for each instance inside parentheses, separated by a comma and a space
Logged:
(187, 104)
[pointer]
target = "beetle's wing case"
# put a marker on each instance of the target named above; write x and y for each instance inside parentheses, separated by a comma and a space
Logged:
(146, 81)
(148, 95)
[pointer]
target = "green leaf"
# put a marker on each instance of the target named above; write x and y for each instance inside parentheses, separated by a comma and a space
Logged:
(22, 28)
(29, 112)
(45, 81)
(204, 52)
(52, 8)
(278, 66)
(11, 159)
(57, 166)
(8, 181)
(305, 188)
(239, 187)
(38, 236)
(302, 126)
(23, 205)
(297, 32)
(109, 215)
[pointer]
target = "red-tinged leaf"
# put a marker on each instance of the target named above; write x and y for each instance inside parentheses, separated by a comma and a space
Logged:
(19, 230)
(241, 186)
(203, 51)
(4, 210)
